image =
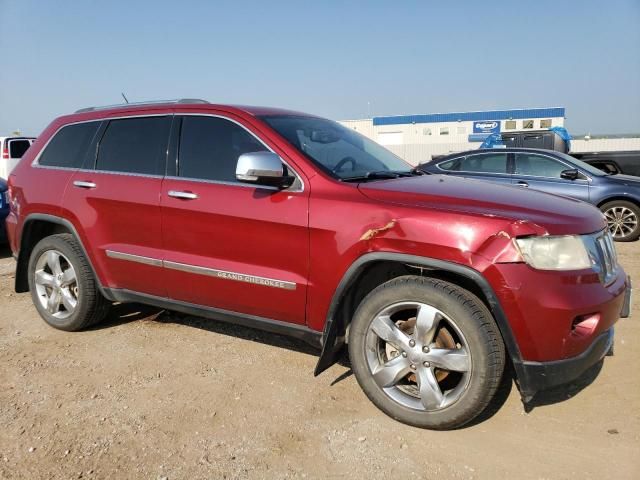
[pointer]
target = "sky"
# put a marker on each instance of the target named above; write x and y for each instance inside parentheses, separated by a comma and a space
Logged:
(338, 59)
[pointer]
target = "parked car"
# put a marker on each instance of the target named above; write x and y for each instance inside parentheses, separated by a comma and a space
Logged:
(4, 210)
(626, 162)
(12, 149)
(617, 196)
(297, 225)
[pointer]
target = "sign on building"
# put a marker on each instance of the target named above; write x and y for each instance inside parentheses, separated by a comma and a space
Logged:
(486, 126)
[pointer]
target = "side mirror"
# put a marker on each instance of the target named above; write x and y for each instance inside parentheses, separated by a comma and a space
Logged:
(262, 168)
(570, 174)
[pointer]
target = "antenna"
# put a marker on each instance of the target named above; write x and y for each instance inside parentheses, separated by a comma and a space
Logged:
(125, 98)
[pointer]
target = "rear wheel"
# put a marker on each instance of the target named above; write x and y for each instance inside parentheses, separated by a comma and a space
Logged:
(62, 285)
(623, 220)
(426, 352)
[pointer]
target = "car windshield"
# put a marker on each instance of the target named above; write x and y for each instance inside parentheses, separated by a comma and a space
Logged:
(339, 151)
(583, 165)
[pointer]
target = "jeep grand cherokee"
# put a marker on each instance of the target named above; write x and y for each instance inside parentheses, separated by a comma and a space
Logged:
(294, 224)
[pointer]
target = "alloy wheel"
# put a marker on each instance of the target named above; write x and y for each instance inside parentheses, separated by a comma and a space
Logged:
(622, 221)
(418, 356)
(56, 284)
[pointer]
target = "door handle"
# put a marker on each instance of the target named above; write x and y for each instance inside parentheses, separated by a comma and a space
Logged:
(522, 184)
(182, 195)
(81, 184)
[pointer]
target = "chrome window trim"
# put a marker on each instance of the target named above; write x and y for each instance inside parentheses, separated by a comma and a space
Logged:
(223, 182)
(588, 179)
(155, 262)
(232, 184)
(35, 163)
(199, 270)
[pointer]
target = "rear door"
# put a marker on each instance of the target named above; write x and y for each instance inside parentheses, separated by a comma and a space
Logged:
(115, 201)
(492, 166)
(542, 172)
(231, 245)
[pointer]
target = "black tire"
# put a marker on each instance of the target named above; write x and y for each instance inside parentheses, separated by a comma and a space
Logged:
(473, 320)
(91, 305)
(609, 209)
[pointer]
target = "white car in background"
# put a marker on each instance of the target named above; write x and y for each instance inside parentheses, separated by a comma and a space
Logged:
(11, 151)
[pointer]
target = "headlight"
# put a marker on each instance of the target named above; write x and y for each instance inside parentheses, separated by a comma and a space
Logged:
(555, 253)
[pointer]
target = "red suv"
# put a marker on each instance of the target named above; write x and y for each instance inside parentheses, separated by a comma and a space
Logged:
(297, 225)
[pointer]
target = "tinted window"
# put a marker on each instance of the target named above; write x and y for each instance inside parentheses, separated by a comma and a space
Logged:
(18, 147)
(483, 163)
(210, 147)
(69, 146)
(538, 165)
(135, 145)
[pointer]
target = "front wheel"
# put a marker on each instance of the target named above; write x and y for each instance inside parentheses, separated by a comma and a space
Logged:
(623, 220)
(426, 352)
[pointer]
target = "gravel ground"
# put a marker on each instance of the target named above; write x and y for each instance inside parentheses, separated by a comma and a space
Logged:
(154, 395)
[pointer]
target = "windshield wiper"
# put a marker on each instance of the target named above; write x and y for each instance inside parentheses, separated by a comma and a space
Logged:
(375, 175)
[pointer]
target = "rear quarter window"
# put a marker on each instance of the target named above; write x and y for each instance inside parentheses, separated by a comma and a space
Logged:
(68, 147)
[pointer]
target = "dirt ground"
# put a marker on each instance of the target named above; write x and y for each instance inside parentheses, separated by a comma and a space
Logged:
(154, 395)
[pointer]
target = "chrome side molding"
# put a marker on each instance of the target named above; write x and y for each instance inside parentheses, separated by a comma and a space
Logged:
(211, 272)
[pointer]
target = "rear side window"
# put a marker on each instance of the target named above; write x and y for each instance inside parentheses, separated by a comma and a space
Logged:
(68, 147)
(484, 163)
(18, 147)
(210, 147)
(135, 145)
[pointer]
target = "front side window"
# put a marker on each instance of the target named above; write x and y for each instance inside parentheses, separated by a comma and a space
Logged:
(538, 165)
(210, 147)
(339, 151)
(68, 147)
(527, 124)
(134, 145)
(480, 163)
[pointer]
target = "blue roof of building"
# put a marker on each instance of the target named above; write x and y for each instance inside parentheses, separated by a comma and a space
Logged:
(471, 116)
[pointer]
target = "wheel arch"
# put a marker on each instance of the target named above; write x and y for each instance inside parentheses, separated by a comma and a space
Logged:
(336, 324)
(619, 197)
(36, 227)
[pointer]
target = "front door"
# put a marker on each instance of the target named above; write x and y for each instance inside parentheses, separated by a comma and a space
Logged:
(542, 172)
(231, 245)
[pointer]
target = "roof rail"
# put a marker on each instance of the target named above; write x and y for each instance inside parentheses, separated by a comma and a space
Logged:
(135, 104)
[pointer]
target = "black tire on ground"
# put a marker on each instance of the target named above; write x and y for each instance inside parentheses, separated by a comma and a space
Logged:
(473, 319)
(610, 208)
(91, 306)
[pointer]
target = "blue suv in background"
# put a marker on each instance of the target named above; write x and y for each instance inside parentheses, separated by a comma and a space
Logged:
(4, 210)
(617, 196)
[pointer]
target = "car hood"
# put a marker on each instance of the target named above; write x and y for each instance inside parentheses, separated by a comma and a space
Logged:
(629, 180)
(555, 215)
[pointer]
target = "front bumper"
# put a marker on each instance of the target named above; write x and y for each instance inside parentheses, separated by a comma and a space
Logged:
(536, 376)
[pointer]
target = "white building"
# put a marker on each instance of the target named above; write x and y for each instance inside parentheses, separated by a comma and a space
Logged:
(417, 137)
